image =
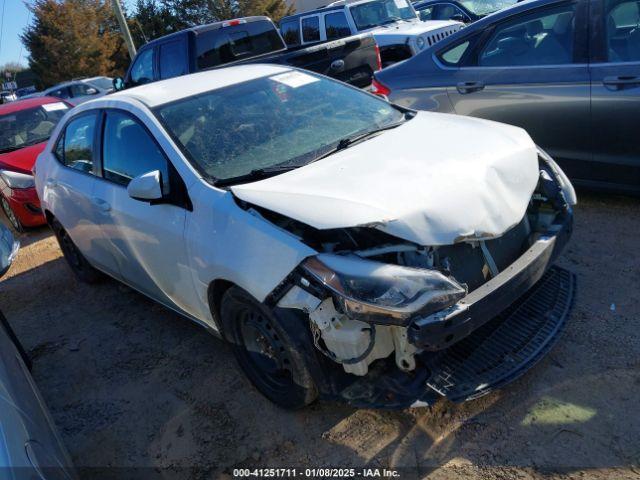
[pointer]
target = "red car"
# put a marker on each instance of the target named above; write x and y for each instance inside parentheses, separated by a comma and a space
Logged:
(25, 127)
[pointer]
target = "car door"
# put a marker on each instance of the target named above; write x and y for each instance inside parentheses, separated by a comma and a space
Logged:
(147, 238)
(69, 189)
(615, 91)
(531, 70)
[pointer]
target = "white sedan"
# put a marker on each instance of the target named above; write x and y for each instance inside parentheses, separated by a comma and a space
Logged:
(345, 246)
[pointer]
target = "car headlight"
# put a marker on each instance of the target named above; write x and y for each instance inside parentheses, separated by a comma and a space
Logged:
(17, 180)
(420, 43)
(383, 293)
(565, 184)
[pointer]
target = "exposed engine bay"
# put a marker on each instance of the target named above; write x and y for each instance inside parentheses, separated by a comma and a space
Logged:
(354, 334)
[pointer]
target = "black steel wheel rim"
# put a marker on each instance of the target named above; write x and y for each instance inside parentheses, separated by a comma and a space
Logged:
(70, 250)
(264, 352)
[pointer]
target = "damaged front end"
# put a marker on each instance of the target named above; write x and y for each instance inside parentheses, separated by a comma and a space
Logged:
(396, 324)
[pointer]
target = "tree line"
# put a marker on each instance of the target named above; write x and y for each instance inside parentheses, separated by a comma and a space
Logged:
(80, 38)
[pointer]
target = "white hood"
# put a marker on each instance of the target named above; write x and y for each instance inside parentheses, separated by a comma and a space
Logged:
(436, 180)
(397, 33)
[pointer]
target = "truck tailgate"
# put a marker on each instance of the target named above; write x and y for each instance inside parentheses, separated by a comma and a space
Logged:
(351, 59)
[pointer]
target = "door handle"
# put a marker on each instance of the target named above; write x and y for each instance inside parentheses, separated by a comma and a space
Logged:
(470, 87)
(619, 82)
(101, 204)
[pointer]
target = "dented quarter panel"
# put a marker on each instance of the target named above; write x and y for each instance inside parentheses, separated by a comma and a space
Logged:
(436, 180)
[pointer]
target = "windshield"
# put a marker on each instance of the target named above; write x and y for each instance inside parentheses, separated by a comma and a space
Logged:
(381, 12)
(485, 7)
(31, 126)
(287, 119)
(103, 83)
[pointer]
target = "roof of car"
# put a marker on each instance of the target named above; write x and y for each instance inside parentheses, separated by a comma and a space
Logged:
(18, 105)
(170, 90)
(198, 29)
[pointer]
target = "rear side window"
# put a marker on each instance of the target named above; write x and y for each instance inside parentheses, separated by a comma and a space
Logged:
(310, 29)
(129, 151)
(336, 26)
(172, 60)
(77, 143)
(81, 89)
(454, 55)
(622, 32)
(290, 30)
(60, 93)
(228, 44)
(542, 38)
(142, 70)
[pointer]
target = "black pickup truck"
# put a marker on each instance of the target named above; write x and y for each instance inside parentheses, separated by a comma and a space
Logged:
(249, 40)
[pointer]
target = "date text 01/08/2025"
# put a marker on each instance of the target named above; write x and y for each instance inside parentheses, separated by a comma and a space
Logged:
(315, 473)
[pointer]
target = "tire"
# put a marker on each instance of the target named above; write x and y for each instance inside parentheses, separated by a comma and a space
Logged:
(11, 216)
(81, 268)
(266, 351)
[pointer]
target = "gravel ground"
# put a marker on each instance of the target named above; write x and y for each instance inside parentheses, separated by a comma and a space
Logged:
(131, 384)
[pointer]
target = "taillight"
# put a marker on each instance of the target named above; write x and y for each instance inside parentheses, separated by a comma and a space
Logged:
(378, 88)
(233, 23)
(378, 57)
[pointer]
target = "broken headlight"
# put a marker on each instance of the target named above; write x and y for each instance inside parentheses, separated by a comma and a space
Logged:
(561, 178)
(383, 293)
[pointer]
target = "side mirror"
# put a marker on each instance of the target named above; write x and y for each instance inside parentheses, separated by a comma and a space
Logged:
(118, 84)
(458, 17)
(91, 91)
(8, 249)
(146, 187)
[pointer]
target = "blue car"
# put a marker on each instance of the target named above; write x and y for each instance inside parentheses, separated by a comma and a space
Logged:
(566, 71)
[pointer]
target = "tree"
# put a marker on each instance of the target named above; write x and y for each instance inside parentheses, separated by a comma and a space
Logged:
(73, 38)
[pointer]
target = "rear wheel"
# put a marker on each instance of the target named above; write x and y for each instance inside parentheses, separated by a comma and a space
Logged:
(13, 219)
(79, 265)
(266, 351)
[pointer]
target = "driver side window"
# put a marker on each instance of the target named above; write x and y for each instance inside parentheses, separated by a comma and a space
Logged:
(142, 70)
(129, 150)
(543, 38)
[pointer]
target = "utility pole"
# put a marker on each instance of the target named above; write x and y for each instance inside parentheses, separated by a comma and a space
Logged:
(124, 28)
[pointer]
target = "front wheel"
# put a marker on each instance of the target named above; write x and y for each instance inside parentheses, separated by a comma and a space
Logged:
(13, 219)
(266, 351)
(76, 261)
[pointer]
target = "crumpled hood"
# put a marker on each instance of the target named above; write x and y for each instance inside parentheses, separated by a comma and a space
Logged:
(436, 180)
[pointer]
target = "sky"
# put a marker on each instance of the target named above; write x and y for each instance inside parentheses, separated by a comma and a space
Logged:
(12, 23)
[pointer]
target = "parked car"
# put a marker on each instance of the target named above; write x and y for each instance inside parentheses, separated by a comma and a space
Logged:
(260, 202)
(7, 96)
(393, 23)
(81, 90)
(24, 91)
(466, 11)
(249, 40)
(567, 72)
(25, 127)
(29, 445)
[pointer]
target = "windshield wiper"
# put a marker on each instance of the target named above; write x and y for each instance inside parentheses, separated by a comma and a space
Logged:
(254, 175)
(347, 142)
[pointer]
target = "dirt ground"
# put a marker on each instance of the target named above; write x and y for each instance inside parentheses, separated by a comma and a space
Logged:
(131, 384)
